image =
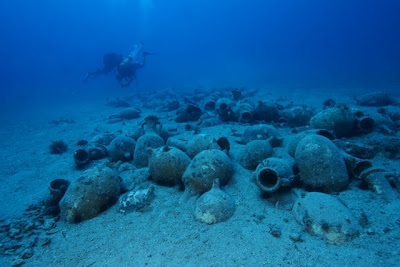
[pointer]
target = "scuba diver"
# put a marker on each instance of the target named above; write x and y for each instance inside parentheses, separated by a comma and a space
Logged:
(126, 71)
(125, 68)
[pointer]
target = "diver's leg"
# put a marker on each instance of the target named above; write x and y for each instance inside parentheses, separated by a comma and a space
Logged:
(93, 73)
(88, 75)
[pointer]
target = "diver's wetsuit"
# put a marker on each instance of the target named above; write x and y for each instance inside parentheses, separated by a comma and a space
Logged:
(126, 71)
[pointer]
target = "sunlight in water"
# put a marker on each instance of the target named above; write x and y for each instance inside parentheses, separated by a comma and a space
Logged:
(146, 6)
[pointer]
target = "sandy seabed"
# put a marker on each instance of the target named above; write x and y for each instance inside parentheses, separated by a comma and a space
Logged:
(166, 233)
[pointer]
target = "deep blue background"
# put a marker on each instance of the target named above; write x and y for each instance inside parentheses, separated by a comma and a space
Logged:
(47, 46)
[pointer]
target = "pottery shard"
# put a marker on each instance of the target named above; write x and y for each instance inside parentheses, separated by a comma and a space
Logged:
(136, 200)
(325, 216)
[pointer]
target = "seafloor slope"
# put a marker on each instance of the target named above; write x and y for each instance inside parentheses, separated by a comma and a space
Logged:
(357, 226)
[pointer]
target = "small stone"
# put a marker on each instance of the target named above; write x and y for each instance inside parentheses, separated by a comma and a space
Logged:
(33, 242)
(5, 224)
(57, 218)
(17, 262)
(17, 224)
(12, 245)
(9, 252)
(29, 234)
(3, 235)
(19, 237)
(31, 207)
(38, 224)
(296, 237)
(46, 241)
(387, 230)
(27, 253)
(275, 231)
(363, 221)
(13, 232)
(29, 227)
(258, 218)
(370, 232)
(34, 232)
(52, 232)
(49, 224)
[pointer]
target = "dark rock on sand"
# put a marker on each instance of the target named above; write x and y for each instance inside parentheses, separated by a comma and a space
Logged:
(375, 99)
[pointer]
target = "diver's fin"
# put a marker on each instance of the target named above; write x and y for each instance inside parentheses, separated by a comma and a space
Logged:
(86, 78)
(148, 53)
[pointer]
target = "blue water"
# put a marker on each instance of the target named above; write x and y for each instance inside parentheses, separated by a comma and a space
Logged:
(47, 46)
